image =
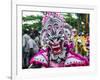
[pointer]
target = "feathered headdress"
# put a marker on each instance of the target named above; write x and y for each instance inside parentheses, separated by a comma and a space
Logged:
(52, 17)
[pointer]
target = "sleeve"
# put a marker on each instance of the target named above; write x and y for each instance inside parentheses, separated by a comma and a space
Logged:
(40, 58)
(74, 59)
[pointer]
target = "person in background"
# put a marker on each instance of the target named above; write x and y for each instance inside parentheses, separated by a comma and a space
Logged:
(75, 39)
(82, 44)
(37, 38)
(25, 55)
(33, 47)
(36, 34)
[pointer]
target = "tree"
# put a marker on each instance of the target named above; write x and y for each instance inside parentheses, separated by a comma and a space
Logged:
(37, 25)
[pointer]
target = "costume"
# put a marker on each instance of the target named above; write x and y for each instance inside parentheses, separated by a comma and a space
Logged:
(57, 44)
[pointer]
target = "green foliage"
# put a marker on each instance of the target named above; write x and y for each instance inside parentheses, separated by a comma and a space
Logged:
(74, 22)
(36, 25)
(31, 17)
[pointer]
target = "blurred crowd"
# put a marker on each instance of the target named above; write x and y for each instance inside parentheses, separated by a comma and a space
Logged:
(81, 42)
(30, 45)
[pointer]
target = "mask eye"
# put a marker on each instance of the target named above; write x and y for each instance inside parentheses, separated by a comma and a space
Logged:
(48, 35)
(49, 27)
(60, 33)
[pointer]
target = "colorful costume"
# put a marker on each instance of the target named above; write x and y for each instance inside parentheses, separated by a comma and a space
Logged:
(58, 46)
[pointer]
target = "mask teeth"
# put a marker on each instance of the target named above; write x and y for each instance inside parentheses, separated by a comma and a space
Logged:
(57, 51)
(57, 46)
